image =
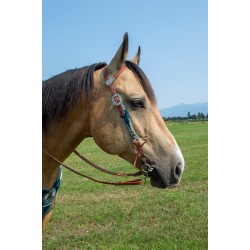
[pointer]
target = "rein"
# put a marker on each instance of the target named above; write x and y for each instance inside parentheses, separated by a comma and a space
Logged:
(120, 183)
(145, 168)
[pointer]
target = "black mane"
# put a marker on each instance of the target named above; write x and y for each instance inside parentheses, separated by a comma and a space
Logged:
(62, 91)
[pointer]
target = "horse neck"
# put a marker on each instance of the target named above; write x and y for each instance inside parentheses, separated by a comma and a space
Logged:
(61, 138)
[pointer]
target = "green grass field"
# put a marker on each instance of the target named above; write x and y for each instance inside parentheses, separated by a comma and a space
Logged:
(89, 215)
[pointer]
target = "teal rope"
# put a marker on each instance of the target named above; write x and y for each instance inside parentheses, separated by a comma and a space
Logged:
(129, 125)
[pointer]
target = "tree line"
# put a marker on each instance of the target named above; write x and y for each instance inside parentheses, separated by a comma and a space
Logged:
(198, 116)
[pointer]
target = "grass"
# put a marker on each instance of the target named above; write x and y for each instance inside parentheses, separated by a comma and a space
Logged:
(89, 215)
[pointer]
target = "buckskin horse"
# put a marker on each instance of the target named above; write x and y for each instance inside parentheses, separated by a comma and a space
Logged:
(116, 105)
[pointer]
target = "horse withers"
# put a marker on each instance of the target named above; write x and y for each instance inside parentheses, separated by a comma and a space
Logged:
(116, 105)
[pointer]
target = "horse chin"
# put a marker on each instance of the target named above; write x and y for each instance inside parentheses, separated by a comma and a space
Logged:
(157, 181)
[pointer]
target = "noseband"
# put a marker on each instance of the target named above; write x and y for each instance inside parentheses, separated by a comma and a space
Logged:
(145, 168)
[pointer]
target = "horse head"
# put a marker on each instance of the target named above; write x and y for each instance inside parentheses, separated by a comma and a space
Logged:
(109, 131)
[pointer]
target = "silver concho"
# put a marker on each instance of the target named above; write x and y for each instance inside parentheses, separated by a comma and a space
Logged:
(110, 81)
(120, 99)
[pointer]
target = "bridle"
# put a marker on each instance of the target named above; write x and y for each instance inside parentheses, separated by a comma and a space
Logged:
(117, 101)
(145, 168)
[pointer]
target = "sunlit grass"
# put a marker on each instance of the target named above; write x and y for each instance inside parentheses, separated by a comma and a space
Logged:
(89, 215)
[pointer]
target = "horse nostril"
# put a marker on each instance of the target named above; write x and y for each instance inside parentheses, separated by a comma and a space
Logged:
(178, 170)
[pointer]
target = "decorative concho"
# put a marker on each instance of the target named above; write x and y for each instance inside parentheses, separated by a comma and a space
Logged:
(110, 81)
(114, 101)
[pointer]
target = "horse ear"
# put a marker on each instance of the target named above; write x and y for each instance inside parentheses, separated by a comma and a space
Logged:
(136, 58)
(120, 56)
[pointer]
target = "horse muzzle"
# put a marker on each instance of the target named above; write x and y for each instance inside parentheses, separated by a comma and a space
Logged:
(162, 177)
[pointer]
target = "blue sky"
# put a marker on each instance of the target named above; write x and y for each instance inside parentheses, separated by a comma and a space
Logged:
(172, 36)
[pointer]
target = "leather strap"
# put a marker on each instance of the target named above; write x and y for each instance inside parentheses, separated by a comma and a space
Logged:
(120, 183)
(105, 170)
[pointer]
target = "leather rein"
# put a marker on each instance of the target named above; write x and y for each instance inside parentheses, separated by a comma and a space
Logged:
(145, 169)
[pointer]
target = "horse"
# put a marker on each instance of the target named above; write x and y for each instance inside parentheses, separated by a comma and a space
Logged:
(116, 105)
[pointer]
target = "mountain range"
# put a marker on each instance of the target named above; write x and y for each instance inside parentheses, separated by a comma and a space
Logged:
(182, 110)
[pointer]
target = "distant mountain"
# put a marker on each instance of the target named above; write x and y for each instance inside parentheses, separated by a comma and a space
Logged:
(183, 109)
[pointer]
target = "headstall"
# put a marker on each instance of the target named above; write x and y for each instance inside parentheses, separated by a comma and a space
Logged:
(118, 102)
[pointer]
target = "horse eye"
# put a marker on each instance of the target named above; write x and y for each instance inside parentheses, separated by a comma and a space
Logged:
(137, 103)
